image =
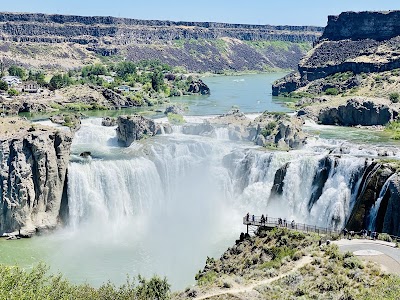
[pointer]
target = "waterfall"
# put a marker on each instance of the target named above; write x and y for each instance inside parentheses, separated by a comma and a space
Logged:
(176, 198)
(373, 213)
(162, 173)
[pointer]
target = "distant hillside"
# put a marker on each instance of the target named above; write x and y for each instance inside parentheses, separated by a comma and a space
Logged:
(60, 41)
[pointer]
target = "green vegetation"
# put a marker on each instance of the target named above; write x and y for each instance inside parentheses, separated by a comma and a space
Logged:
(37, 76)
(176, 119)
(332, 91)
(330, 275)
(16, 284)
(268, 129)
(13, 92)
(16, 71)
(59, 81)
(3, 85)
(393, 129)
(394, 97)
(279, 45)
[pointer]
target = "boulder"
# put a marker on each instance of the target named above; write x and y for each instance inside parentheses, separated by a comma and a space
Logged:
(133, 128)
(357, 111)
(174, 109)
(199, 87)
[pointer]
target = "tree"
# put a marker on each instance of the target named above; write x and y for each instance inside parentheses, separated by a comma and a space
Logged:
(38, 76)
(125, 68)
(96, 69)
(59, 81)
(16, 71)
(3, 85)
(157, 80)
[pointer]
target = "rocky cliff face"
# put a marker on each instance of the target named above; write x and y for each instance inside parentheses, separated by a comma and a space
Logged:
(363, 25)
(68, 41)
(87, 30)
(358, 42)
(33, 164)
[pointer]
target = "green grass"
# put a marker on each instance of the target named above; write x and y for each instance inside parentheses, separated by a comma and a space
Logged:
(279, 45)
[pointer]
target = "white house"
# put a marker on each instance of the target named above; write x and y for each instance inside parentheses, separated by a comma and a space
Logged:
(123, 88)
(12, 80)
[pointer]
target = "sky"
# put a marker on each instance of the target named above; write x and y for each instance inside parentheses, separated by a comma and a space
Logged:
(276, 12)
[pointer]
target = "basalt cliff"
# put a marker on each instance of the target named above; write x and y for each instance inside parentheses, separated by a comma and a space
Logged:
(61, 41)
(33, 166)
(357, 43)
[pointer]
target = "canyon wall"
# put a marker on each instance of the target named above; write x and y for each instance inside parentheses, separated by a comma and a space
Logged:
(60, 41)
(363, 42)
(33, 164)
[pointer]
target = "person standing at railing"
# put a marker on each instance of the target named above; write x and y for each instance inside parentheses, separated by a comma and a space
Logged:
(247, 217)
(284, 222)
(253, 218)
(262, 219)
(293, 223)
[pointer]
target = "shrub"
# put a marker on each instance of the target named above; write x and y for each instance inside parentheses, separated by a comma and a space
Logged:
(332, 91)
(384, 237)
(36, 284)
(394, 97)
(3, 85)
(13, 92)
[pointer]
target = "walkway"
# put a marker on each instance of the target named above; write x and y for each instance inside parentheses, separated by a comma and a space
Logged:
(248, 288)
(383, 253)
(278, 222)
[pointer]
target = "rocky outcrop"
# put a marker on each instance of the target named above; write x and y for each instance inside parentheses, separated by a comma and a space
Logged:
(391, 215)
(174, 109)
(33, 164)
(108, 122)
(199, 87)
(363, 42)
(134, 128)
(73, 121)
(357, 111)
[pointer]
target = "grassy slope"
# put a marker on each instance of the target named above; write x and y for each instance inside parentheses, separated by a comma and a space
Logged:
(331, 275)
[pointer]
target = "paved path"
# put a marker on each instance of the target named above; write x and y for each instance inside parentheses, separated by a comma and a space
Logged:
(383, 253)
(248, 288)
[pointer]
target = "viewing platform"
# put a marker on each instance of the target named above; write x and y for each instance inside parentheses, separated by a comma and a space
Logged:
(256, 222)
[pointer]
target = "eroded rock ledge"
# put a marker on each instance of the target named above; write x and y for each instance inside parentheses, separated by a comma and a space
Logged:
(33, 166)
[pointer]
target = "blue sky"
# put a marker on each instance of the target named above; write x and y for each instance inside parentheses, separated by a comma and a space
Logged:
(276, 12)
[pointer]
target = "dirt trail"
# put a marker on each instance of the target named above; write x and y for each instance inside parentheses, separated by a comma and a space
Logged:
(243, 289)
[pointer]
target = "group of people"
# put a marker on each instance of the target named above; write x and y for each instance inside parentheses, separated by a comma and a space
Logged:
(264, 220)
(364, 233)
(283, 222)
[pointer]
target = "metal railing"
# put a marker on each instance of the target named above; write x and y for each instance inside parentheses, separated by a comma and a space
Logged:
(278, 222)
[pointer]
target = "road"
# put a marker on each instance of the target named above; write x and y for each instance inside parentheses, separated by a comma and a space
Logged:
(385, 254)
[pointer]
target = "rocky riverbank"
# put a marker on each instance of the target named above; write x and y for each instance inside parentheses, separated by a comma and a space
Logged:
(33, 166)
